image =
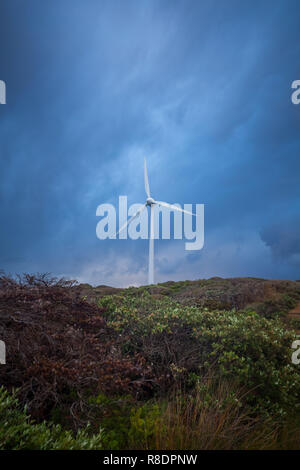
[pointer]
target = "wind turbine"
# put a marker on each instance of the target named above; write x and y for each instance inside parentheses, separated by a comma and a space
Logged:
(150, 202)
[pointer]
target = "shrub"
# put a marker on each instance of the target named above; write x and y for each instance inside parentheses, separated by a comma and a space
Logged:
(58, 345)
(178, 340)
(18, 432)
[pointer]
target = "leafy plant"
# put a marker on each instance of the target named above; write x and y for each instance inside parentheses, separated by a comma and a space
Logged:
(19, 432)
(172, 337)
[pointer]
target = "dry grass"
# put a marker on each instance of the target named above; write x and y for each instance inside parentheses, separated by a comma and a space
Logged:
(219, 423)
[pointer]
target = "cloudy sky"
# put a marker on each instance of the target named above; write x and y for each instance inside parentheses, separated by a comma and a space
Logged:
(201, 88)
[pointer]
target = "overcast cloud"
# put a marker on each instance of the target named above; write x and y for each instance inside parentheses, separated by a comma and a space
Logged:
(202, 89)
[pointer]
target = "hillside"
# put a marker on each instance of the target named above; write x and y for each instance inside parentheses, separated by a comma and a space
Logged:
(270, 297)
(120, 359)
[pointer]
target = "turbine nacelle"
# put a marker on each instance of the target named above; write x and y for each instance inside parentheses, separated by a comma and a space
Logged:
(150, 201)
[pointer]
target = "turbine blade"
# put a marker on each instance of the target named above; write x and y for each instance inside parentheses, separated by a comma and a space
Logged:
(147, 189)
(172, 206)
(131, 219)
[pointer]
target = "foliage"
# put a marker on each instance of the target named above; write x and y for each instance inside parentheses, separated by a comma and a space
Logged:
(196, 363)
(267, 297)
(295, 323)
(179, 340)
(58, 345)
(19, 432)
(277, 307)
(126, 423)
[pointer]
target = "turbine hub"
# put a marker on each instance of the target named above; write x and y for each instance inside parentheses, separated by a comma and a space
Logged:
(150, 201)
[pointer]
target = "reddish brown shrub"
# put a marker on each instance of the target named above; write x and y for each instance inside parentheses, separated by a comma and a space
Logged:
(59, 345)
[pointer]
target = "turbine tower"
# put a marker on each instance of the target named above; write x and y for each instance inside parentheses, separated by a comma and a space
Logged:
(150, 202)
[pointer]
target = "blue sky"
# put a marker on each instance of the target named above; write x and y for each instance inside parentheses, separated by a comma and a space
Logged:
(202, 89)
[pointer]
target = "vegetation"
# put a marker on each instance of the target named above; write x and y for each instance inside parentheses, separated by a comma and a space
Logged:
(203, 364)
(17, 431)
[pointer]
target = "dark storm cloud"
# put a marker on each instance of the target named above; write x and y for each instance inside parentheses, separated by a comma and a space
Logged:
(203, 89)
(284, 240)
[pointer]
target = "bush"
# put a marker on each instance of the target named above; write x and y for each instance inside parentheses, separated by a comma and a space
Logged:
(18, 432)
(178, 340)
(58, 345)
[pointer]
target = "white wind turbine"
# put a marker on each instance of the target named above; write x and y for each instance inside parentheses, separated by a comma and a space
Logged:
(150, 202)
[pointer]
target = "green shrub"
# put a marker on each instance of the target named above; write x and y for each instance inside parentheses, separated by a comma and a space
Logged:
(145, 423)
(295, 323)
(253, 350)
(279, 307)
(114, 415)
(125, 422)
(19, 432)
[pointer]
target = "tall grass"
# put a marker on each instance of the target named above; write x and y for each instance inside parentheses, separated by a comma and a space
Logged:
(213, 418)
